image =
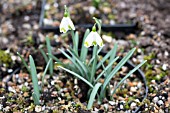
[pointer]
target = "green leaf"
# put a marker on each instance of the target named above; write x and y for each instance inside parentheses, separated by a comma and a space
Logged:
(84, 68)
(23, 61)
(112, 56)
(53, 57)
(72, 60)
(45, 71)
(34, 77)
(49, 52)
(93, 69)
(107, 67)
(84, 50)
(130, 72)
(92, 95)
(44, 55)
(77, 75)
(116, 69)
(76, 37)
(91, 60)
(105, 58)
(35, 98)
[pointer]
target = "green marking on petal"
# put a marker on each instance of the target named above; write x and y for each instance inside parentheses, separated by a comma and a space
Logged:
(94, 43)
(86, 44)
(101, 44)
(62, 30)
(69, 27)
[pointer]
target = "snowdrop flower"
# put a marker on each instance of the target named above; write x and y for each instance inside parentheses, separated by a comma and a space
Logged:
(93, 39)
(66, 23)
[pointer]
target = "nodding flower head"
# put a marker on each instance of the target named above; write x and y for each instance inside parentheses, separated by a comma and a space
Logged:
(93, 39)
(66, 23)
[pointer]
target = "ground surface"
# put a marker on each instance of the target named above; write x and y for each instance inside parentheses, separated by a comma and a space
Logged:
(20, 32)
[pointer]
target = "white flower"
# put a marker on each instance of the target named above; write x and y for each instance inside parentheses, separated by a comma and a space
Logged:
(93, 39)
(66, 24)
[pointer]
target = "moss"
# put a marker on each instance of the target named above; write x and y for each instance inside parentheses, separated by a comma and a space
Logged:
(24, 89)
(149, 57)
(5, 58)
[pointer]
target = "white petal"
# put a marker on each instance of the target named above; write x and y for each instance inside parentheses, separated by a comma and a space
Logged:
(70, 23)
(98, 39)
(89, 40)
(66, 24)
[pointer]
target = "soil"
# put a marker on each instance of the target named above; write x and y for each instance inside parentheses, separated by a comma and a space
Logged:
(20, 32)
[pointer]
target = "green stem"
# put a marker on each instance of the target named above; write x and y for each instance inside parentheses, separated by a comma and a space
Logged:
(74, 42)
(95, 48)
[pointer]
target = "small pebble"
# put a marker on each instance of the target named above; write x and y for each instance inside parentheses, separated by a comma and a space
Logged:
(92, 10)
(112, 103)
(155, 99)
(11, 89)
(38, 108)
(133, 105)
(107, 38)
(160, 102)
(164, 67)
(133, 89)
(106, 106)
(47, 6)
(121, 106)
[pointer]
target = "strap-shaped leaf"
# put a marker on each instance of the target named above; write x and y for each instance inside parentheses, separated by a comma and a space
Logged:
(84, 68)
(35, 98)
(84, 50)
(106, 57)
(112, 56)
(44, 55)
(91, 60)
(53, 57)
(49, 52)
(93, 94)
(107, 67)
(34, 77)
(45, 71)
(72, 60)
(77, 75)
(23, 61)
(116, 69)
(130, 72)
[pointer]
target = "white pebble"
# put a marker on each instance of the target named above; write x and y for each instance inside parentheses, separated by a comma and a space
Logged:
(139, 85)
(107, 38)
(48, 22)
(155, 99)
(121, 106)
(112, 103)
(1, 106)
(92, 10)
(164, 67)
(133, 105)
(160, 102)
(133, 89)
(47, 6)
(26, 18)
(38, 108)
(166, 53)
(106, 106)
(11, 89)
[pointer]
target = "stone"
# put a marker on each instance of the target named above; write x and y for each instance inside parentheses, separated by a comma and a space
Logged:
(160, 102)
(164, 67)
(112, 103)
(38, 108)
(133, 105)
(155, 99)
(107, 38)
